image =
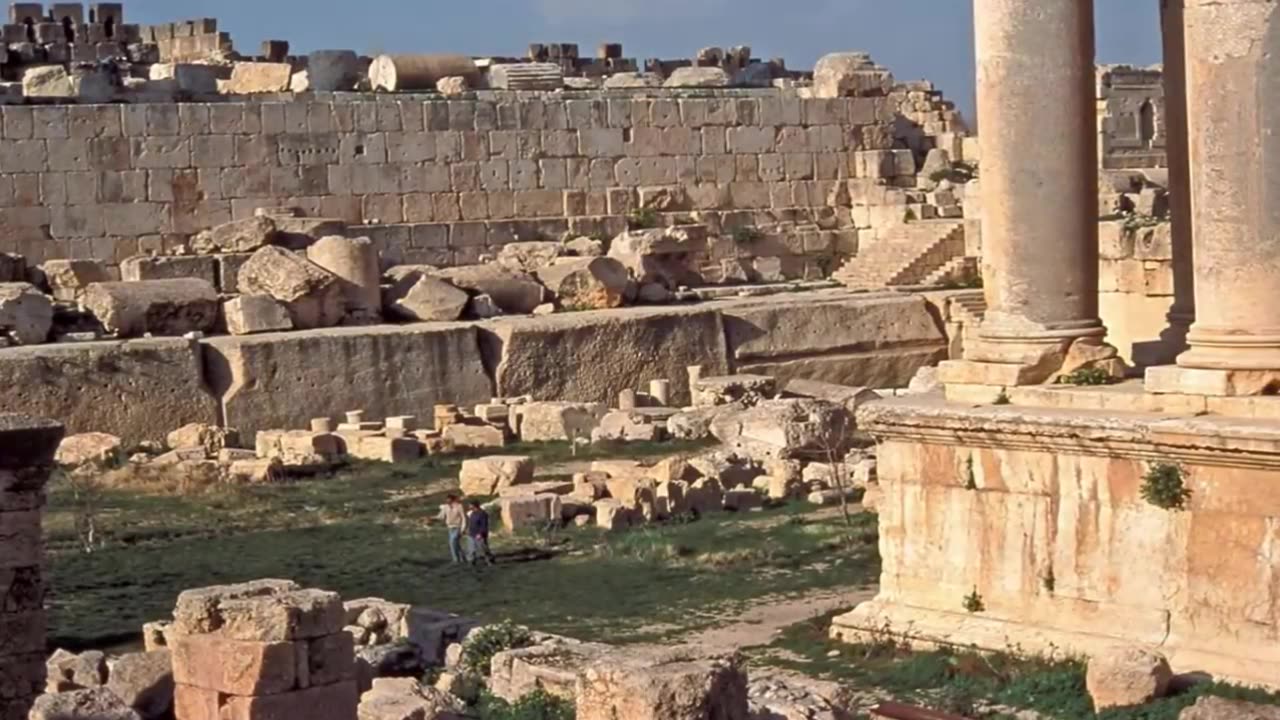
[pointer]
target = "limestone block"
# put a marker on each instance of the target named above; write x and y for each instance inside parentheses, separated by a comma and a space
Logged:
(99, 449)
(486, 476)
(743, 389)
(68, 671)
(332, 70)
(385, 449)
(248, 314)
(781, 429)
(1127, 676)
(742, 499)
(211, 438)
(297, 233)
(697, 77)
(552, 666)
(529, 512)
(613, 515)
(298, 448)
(626, 426)
(99, 704)
(26, 314)
(255, 471)
(258, 77)
(313, 295)
(694, 424)
(475, 437)
(669, 683)
(526, 76)
(237, 236)
(453, 86)
(355, 262)
(849, 74)
(661, 255)
(50, 81)
(632, 80)
(325, 702)
(159, 307)
(142, 267)
(527, 257)
(144, 681)
(261, 614)
(558, 421)
(850, 397)
(187, 77)
(67, 279)
(406, 699)
(418, 296)
(513, 292)
(596, 283)
(1209, 707)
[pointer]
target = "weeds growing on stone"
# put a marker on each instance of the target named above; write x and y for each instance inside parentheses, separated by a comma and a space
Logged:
(1087, 376)
(537, 705)
(1164, 486)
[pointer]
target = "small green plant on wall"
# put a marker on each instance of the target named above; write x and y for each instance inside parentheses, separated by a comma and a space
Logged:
(973, 602)
(1164, 486)
(970, 479)
(1087, 376)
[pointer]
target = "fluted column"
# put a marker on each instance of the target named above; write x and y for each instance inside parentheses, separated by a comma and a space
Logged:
(1037, 115)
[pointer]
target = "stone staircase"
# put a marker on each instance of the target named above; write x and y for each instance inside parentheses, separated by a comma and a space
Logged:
(955, 271)
(969, 308)
(908, 256)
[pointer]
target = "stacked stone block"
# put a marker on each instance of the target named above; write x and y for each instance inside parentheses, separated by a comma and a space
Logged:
(188, 39)
(27, 446)
(259, 650)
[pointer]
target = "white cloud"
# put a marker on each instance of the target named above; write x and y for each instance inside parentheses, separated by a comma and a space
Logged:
(624, 10)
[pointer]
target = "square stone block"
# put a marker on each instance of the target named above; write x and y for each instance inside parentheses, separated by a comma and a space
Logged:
(235, 667)
(1219, 383)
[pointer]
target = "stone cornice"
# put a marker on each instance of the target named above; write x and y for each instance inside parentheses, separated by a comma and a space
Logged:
(1205, 440)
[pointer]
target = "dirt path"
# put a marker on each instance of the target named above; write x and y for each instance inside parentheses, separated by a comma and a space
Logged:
(760, 624)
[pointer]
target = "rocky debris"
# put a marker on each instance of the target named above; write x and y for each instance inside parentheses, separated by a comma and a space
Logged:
(144, 681)
(26, 314)
(512, 292)
(778, 696)
(312, 294)
(784, 429)
(557, 421)
(49, 81)
(632, 80)
(596, 283)
(408, 699)
(747, 390)
(1127, 676)
(249, 314)
(551, 664)
(453, 86)
(237, 236)
(68, 671)
(398, 658)
(925, 381)
(487, 475)
(661, 255)
(667, 683)
(627, 426)
(1209, 707)
(210, 438)
(96, 449)
(527, 257)
(68, 279)
(584, 247)
(474, 437)
(95, 704)
(155, 635)
(158, 307)
(419, 296)
(692, 424)
(851, 398)
(698, 77)
(300, 450)
(850, 74)
(381, 621)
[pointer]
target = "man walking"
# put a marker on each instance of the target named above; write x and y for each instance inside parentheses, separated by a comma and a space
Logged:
(455, 519)
(478, 532)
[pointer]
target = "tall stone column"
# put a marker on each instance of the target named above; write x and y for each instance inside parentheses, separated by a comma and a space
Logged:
(1233, 82)
(1177, 148)
(1037, 116)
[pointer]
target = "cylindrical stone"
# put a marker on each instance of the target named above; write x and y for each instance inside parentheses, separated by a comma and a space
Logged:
(627, 399)
(333, 70)
(419, 72)
(321, 425)
(695, 374)
(1036, 103)
(1177, 148)
(660, 390)
(355, 417)
(355, 261)
(1233, 82)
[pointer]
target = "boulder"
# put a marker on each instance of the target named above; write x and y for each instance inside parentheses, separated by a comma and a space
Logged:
(159, 307)
(98, 449)
(144, 681)
(526, 257)
(258, 77)
(249, 314)
(211, 438)
(513, 292)
(1127, 676)
(420, 297)
(785, 429)
(453, 86)
(589, 283)
(68, 671)
(26, 314)
(96, 704)
(661, 255)
(312, 294)
(847, 74)
(68, 279)
(237, 236)
(407, 699)
(667, 683)
(698, 77)
(486, 476)
(1209, 707)
(558, 421)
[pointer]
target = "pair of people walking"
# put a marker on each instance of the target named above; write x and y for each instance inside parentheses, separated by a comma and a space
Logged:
(469, 521)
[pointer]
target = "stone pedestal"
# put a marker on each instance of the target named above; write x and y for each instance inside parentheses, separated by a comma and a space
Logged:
(1036, 99)
(1233, 81)
(1017, 527)
(27, 446)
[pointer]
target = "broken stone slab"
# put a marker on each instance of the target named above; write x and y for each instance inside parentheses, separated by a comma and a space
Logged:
(552, 665)
(408, 699)
(26, 314)
(312, 294)
(453, 86)
(249, 78)
(850, 74)
(97, 449)
(692, 424)
(249, 314)
(785, 429)
(421, 297)
(626, 426)
(159, 307)
(68, 671)
(385, 449)
(475, 437)
(354, 261)
(662, 255)
(211, 438)
(1126, 677)
(512, 292)
(161, 267)
(698, 77)
(527, 257)
(558, 421)
(264, 611)
(850, 397)
(298, 233)
(584, 247)
(98, 704)
(299, 448)
(668, 683)
(237, 236)
(528, 512)
(188, 78)
(487, 475)
(68, 279)
(526, 76)
(632, 80)
(596, 283)
(742, 389)
(253, 471)
(144, 681)
(50, 81)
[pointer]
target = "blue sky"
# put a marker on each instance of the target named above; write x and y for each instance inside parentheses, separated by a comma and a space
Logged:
(931, 39)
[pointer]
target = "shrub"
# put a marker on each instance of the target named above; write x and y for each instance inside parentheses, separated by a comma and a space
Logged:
(537, 705)
(745, 235)
(973, 602)
(1164, 487)
(1086, 376)
(1002, 399)
(483, 644)
(642, 219)
(970, 480)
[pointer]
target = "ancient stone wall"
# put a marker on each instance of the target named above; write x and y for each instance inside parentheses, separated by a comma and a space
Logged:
(1131, 118)
(448, 181)
(26, 459)
(1135, 287)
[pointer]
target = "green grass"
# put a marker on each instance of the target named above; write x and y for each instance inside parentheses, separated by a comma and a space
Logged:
(963, 682)
(363, 532)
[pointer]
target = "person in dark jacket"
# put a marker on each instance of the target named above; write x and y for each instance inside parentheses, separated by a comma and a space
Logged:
(478, 532)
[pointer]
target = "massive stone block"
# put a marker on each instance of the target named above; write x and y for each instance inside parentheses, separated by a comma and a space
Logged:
(281, 380)
(138, 390)
(610, 351)
(160, 307)
(858, 340)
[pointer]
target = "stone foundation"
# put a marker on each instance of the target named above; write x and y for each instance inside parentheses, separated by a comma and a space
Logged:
(27, 446)
(1025, 528)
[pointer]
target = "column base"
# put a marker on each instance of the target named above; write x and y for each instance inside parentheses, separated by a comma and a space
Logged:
(1171, 379)
(1050, 363)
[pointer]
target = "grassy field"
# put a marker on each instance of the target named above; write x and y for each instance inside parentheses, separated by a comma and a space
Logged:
(364, 532)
